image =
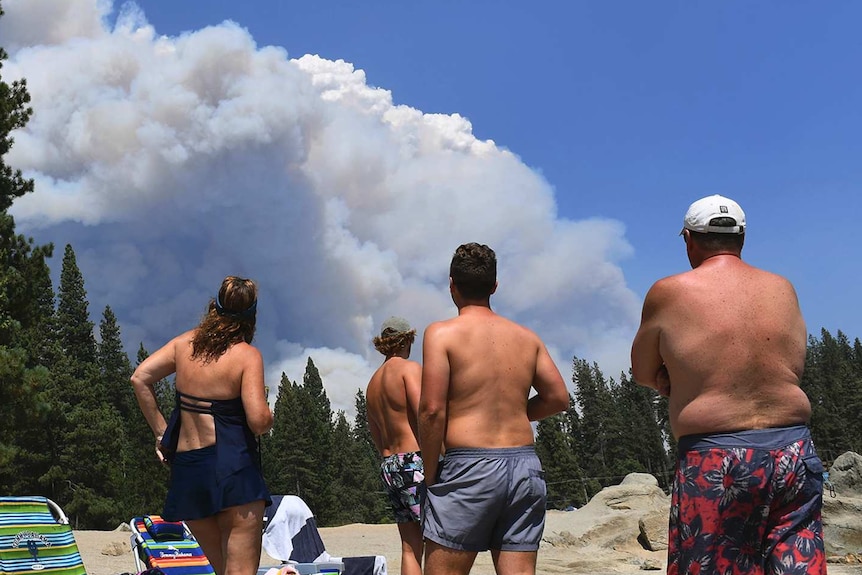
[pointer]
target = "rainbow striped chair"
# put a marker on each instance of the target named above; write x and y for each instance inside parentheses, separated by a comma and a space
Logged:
(168, 546)
(35, 536)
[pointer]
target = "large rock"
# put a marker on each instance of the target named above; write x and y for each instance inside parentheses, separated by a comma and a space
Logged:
(629, 517)
(842, 506)
(846, 475)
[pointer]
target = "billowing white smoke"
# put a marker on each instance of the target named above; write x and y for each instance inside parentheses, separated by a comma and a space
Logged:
(169, 163)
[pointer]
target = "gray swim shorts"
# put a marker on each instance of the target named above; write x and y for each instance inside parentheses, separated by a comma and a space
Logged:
(487, 499)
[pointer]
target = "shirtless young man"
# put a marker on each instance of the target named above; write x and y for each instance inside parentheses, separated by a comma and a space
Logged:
(478, 370)
(392, 401)
(726, 343)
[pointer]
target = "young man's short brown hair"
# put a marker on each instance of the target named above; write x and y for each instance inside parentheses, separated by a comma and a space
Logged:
(474, 270)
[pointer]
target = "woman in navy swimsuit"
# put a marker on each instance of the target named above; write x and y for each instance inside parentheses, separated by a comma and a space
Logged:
(210, 440)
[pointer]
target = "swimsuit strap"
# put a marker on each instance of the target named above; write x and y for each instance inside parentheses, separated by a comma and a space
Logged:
(196, 398)
(223, 405)
(193, 407)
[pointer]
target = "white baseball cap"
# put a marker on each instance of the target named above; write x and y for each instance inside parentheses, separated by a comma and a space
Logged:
(703, 211)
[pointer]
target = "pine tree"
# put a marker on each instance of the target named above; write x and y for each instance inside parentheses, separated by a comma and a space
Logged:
(350, 477)
(361, 430)
(368, 466)
(165, 389)
(318, 428)
(135, 460)
(595, 405)
(87, 470)
(25, 359)
(14, 114)
(831, 381)
(114, 366)
(286, 450)
(146, 483)
(17, 387)
(39, 334)
(642, 441)
(73, 319)
(555, 448)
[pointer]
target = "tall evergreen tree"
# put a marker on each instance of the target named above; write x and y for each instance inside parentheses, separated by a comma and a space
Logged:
(642, 442)
(87, 470)
(286, 450)
(39, 334)
(17, 388)
(319, 429)
(596, 407)
(14, 114)
(114, 366)
(375, 503)
(555, 448)
(350, 478)
(832, 381)
(146, 482)
(136, 459)
(27, 352)
(165, 394)
(361, 429)
(73, 319)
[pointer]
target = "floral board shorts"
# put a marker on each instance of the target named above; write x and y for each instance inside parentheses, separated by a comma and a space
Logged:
(403, 475)
(747, 502)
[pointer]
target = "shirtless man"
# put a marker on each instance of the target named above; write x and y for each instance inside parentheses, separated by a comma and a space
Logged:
(392, 401)
(478, 370)
(726, 343)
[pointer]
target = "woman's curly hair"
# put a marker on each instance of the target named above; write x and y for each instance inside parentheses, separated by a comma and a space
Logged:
(230, 319)
(389, 342)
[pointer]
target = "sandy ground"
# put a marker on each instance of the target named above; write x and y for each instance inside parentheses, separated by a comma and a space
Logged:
(109, 553)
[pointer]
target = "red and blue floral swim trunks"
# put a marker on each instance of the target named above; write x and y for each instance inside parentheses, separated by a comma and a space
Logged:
(747, 502)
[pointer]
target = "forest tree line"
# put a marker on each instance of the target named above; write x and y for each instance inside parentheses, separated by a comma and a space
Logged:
(71, 430)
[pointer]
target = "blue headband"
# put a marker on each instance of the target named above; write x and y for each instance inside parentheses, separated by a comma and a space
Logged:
(248, 312)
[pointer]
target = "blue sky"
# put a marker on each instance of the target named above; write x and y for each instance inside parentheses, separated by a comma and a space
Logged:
(631, 110)
(171, 147)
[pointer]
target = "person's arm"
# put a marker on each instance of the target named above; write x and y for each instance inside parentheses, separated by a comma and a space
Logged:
(433, 400)
(551, 397)
(156, 367)
(258, 415)
(412, 377)
(648, 367)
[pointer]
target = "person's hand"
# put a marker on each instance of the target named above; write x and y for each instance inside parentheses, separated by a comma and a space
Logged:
(662, 380)
(159, 452)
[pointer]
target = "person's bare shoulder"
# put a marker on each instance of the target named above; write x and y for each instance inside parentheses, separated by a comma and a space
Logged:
(182, 343)
(185, 337)
(668, 288)
(439, 329)
(247, 351)
(399, 365)
(779, 280)
(524, 332)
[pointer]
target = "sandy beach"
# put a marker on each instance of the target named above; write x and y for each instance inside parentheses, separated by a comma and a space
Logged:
(108, 552)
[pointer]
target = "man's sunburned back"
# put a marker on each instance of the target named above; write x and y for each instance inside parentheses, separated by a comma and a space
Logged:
(393, 419)
(733, 340)
(492, 367)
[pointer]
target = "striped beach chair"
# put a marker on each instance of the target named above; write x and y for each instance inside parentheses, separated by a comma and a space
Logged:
(35, 537)
(168, 546)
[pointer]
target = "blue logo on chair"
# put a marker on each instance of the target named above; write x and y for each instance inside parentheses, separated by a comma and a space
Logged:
(31, 538)
(34, 551)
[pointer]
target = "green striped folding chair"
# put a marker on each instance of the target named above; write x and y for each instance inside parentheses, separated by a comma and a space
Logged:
(35, 537)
